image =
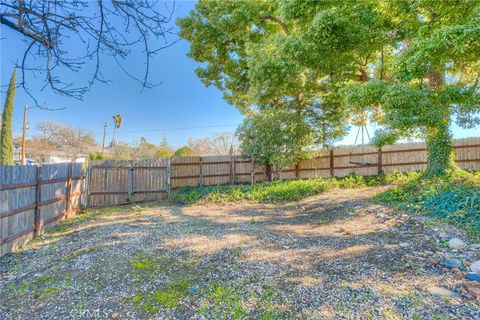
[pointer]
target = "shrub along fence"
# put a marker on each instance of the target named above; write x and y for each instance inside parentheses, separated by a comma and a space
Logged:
(34, 197)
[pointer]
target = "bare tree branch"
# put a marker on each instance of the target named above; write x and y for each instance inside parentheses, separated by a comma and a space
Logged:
(108, 27)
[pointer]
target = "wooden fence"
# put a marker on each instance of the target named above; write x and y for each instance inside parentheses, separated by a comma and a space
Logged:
(112, 182)
(32, 198)
(120, 182)
(339, 162)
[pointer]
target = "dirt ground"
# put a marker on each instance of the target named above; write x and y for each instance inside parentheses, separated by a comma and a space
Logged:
(333, 256)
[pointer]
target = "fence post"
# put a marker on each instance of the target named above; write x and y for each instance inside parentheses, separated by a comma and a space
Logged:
(253, 172)
(86, 184)
(130, 182)
(169, 176)
(69, 189)
(38, 203)
(232, 169)
(200, 174)
(380, 161)
(332, 162)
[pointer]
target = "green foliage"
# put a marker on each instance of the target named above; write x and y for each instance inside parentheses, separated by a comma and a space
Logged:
(163, 153)
(222, 301)
(433, 77)
(259, 62)
(6, 138)
(143, 263)
(409, 66)
(185, 152)
(275, 137)
(278, 191)
(95, 156)
(455, 198)
(168, 296)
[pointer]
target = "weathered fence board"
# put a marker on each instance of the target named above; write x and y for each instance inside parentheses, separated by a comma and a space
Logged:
(33, 197)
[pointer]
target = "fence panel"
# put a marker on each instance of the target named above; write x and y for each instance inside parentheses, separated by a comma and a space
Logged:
(108, 182)
(17, 206)
(112, 182)
(466, 154)
(185, 172)
(316, 167)
(149, 180)
(33, 197)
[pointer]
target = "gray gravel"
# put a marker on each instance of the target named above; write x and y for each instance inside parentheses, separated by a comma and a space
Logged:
(333, 256)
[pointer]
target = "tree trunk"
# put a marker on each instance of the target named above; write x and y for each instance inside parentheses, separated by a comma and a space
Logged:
(268, 173)
(441, 158)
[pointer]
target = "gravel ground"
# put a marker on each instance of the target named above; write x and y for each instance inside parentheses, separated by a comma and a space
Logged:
(333, 256)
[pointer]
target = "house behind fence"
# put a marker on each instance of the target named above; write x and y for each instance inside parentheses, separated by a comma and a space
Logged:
(32, 198)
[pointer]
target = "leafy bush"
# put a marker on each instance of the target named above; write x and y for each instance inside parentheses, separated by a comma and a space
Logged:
(185, 152)
(278, 191)
(95, 156)
(455, 198)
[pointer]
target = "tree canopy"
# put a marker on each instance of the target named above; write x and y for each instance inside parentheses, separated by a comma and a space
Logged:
(408, 65)
(184, 152)
(249, 54)
(275, 137)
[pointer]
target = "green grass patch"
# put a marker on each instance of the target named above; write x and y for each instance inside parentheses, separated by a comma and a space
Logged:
(280, 191)
(220, 301)
(168, 297)
(453, 198)
(180, 275)
(43, 287)
(143, 263)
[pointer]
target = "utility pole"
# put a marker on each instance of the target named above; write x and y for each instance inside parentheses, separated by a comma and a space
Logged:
(24, 134)
(105, 124)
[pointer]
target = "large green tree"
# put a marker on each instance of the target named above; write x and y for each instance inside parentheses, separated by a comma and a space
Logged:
(425, 76)
(249, 54)
(6, 138)
(408, 65)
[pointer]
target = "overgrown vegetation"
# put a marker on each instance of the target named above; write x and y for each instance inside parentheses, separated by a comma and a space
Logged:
(278, 191)
(454, 198)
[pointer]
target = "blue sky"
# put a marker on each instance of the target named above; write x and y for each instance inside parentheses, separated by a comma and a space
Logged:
(176, 108)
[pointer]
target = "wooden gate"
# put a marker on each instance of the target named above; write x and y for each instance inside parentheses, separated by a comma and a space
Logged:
(113, 182)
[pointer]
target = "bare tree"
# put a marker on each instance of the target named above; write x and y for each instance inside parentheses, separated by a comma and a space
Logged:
(103, 27)
(73, 140)
(223, 143)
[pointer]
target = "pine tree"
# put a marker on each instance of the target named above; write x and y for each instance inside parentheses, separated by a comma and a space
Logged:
(6, 139)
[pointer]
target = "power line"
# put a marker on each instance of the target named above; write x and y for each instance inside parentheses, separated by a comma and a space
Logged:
(179, 128)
